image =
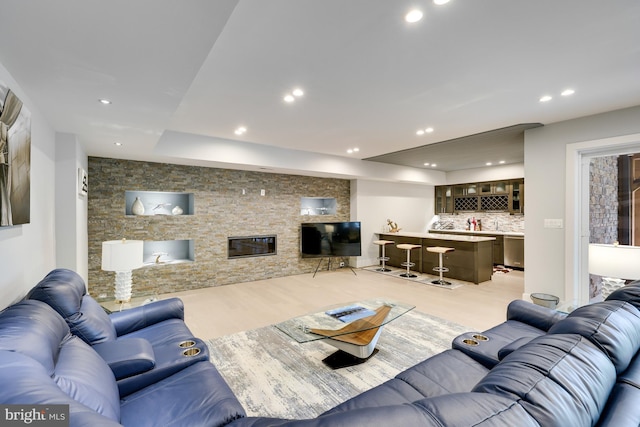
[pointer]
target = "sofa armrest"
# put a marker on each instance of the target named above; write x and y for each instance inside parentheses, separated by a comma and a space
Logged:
(127, 357)
(513, 346)
(137, 318)
(534, 315)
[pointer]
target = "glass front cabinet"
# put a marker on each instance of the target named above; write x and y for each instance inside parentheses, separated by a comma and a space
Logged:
(491, 196)
(516, 197)
(443, 199)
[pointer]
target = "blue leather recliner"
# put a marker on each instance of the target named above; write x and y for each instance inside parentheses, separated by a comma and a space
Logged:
(142, 342)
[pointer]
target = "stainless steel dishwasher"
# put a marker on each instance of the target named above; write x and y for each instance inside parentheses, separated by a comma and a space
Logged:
(514, 251)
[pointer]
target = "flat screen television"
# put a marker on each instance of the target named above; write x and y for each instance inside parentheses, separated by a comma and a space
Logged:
(330, 239)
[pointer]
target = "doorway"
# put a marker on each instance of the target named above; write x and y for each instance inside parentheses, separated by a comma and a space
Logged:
(577, 232)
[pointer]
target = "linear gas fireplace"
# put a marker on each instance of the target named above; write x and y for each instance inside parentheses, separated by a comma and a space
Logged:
(250, 246)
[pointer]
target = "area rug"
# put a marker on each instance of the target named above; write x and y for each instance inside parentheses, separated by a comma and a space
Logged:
(272, 375)
(425, 279)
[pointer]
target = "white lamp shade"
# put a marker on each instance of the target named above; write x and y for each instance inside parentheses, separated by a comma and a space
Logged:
(122, 255)
(618, 261)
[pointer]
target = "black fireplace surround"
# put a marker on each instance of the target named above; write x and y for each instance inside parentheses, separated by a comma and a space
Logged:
(251, 246)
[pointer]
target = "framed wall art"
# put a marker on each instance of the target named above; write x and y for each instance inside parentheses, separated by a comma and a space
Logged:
(15, 159)
(83, 182)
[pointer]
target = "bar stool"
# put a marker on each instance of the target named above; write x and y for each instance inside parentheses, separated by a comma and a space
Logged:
(440, 269)
(408, 247)
(383, 258)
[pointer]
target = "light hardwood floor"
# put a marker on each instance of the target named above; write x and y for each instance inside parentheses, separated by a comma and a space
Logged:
(223, 310)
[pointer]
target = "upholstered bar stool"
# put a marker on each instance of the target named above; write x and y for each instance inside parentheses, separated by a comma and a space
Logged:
(408, 247)
(440, 269)
(384, 258)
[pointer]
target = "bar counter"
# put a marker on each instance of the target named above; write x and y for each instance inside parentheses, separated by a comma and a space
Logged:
(471, 260)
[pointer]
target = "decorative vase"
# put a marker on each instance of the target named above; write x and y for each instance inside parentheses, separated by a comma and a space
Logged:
(177, 210)
(137, 207)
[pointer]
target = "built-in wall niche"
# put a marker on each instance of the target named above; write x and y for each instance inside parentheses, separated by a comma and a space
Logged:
(159, 252)
(158, 203)
(318, 206)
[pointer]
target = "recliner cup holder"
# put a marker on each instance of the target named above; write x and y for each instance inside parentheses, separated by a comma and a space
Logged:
(480, 337)
(187, 344)
(194, 351)
(470, 342)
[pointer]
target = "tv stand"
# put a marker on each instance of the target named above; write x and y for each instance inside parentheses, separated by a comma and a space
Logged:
(346, 263)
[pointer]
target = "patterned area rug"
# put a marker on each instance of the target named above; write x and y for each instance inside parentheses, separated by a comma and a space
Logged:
(422, 277)
(272, 375)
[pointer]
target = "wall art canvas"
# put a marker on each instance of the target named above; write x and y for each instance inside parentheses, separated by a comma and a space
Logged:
(83, 182)
(15, 159)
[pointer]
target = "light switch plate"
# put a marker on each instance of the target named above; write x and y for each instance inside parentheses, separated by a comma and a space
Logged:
(553, 223)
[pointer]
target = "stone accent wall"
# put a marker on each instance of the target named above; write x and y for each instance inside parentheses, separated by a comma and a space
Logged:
(221, 210)
(603, 202)
(603, 209)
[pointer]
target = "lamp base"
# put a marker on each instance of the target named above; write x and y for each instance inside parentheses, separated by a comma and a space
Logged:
(123, 286)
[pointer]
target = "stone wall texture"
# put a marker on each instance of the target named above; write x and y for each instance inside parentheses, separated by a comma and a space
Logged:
(221, 210)
(603, 199)
(603, 208)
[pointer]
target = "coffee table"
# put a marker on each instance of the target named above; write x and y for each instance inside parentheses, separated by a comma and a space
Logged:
(353, 328)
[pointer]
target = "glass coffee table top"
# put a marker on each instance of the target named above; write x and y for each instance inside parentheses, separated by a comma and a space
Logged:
(343, 319)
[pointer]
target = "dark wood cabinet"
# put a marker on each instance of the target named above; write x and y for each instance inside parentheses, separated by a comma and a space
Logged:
(516, 196)
(493, 187)
(497, 247)
(471, 261)
(490, 196)
(443, 199)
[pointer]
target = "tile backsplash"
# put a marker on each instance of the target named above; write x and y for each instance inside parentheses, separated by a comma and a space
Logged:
(490, 221)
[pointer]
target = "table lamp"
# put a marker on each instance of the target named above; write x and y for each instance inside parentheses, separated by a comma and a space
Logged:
(122, 256)
(614, 263)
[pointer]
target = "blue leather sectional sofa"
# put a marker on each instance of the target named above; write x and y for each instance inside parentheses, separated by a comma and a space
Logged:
(538, 368)
(58, 346)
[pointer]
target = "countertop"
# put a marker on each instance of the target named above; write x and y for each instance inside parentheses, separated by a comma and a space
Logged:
(450, 237)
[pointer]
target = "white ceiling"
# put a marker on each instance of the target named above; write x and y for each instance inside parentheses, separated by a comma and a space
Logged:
(202, 67)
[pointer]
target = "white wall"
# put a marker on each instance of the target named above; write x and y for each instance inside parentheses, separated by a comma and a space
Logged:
(545, 171)
(489, 173)
(71, 207)
(27, 252)
(373, 202)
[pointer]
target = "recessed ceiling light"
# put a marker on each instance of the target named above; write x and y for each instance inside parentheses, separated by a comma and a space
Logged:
(440, 2)
(119, 144)
(568, 92)
(420, 132)
(413, 16)
(289, 98)
(356, 149)
(502, 162)
(488, 163)
(546, 98)
(349, 151)
(427, 164)
(433, 165)
(297, 92)
(240, 130)
(104, 101)
(428, 130)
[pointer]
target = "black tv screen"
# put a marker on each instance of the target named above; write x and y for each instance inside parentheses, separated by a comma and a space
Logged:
(330, 239)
